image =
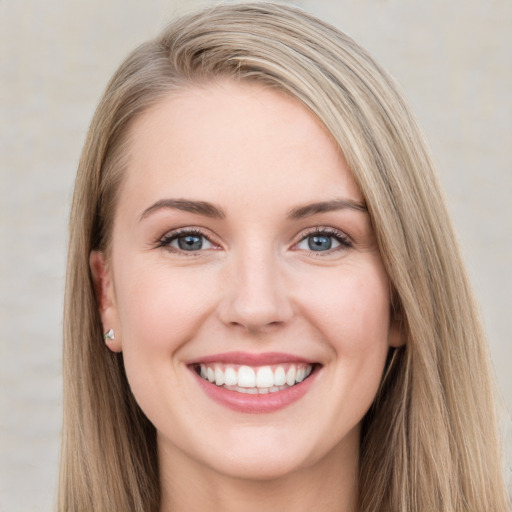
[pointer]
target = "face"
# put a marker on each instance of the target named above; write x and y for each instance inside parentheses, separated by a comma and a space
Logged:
(244, 285)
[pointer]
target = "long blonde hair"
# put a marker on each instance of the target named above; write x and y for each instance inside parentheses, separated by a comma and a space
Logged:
(430, 440)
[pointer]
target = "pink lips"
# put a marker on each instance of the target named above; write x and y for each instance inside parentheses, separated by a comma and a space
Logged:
(251, 359)
(247, 403)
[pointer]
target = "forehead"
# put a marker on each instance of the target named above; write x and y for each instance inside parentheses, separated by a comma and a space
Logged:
(231, 138)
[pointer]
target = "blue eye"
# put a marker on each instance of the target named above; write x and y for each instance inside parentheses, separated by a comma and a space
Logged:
(323, 241)
(190, 242)
(186, 241)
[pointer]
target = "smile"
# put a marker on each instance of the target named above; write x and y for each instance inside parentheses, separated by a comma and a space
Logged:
(254, 380)
(255, 383)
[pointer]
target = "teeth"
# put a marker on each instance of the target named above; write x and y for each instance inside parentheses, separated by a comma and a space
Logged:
(246, 377)
(265, 377)
(230, 376)
(279, 376)
(219, 376)
(253, 391)
(260, 380)
(290, 376)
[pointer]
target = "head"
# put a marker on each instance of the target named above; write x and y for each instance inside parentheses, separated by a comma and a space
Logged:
(426, 403)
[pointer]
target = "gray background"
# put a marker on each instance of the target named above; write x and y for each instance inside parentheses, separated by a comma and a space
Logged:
(452, 57)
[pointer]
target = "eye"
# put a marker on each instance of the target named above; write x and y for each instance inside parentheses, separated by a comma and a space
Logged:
(323, 240)
(187, 241)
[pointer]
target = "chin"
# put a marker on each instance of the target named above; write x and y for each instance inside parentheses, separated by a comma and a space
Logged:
(259, 467)
(269, 455)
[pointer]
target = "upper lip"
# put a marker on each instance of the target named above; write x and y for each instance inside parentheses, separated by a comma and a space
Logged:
(251, 359)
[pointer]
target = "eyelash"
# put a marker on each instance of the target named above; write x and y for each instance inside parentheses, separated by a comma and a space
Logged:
(339, 236)
(167, 239)
(344, 241)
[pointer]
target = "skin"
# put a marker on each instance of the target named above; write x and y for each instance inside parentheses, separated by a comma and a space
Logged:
(255, 286)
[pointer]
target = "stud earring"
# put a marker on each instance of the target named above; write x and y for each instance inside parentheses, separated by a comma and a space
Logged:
(109, 335)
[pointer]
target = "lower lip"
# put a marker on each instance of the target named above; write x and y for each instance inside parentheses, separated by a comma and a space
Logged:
(256, 404)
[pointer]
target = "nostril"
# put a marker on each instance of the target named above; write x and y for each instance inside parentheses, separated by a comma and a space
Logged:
(255, 304)
(257, 327)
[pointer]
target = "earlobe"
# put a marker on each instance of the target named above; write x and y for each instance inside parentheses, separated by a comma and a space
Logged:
(104, 290)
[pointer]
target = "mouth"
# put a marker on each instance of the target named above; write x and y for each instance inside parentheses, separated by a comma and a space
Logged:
(254, 383)
(254, 380)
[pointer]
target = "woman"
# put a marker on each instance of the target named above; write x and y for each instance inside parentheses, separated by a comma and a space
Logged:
(258, 237)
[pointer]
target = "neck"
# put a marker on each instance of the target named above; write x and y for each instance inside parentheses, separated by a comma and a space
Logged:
(329, 485)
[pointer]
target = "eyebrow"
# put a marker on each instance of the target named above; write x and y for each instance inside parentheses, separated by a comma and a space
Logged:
(198, 207)
(210, 210)
(326, 206)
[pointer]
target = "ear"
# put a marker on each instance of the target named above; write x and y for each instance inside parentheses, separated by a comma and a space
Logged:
(104, 289)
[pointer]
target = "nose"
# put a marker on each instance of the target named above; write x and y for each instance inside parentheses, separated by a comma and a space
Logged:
(255, 296)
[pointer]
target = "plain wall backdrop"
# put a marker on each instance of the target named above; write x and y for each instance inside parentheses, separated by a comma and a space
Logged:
(453, 58)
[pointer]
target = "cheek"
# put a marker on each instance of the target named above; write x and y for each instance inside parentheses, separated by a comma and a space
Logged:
(353, 317)
(161, 310)
(351, 310)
